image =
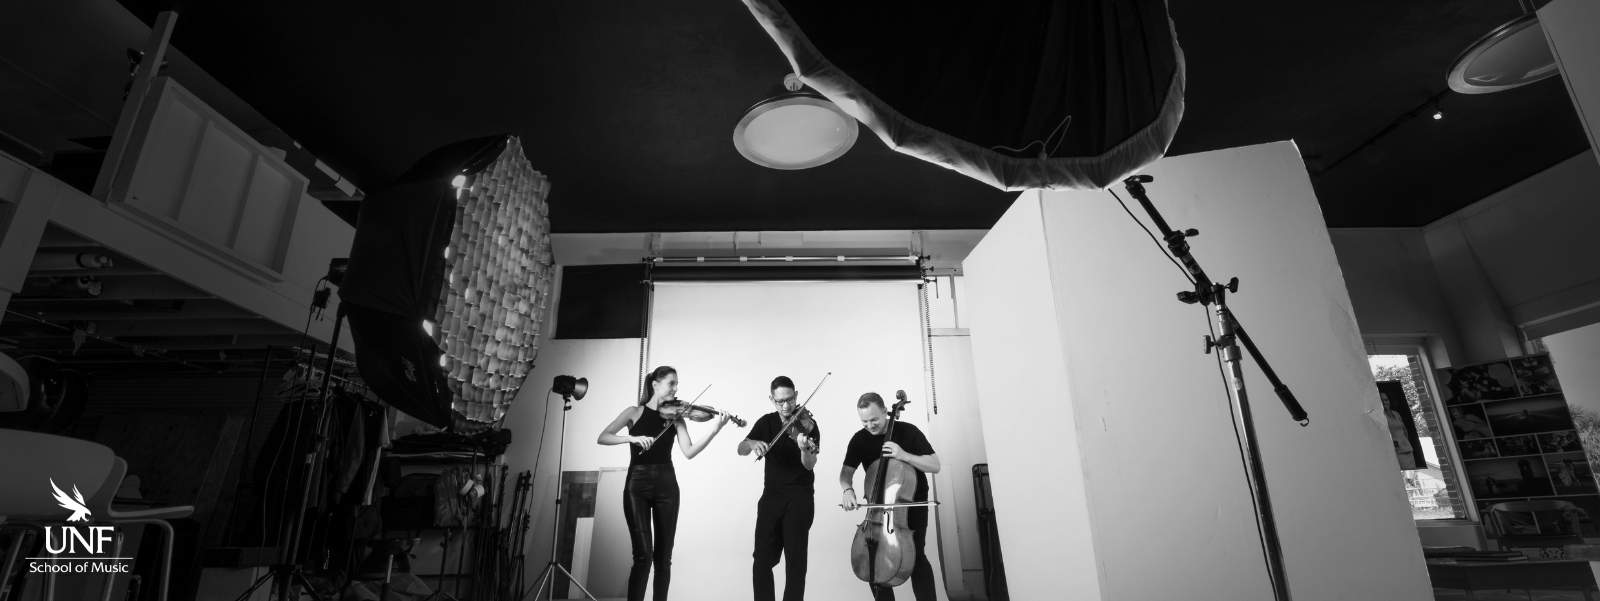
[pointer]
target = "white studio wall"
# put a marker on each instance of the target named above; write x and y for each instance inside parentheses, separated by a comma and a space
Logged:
(737, 337)
(611, 365)
(1075, 328)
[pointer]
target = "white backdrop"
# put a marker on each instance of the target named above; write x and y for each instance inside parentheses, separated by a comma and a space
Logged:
(737, 337)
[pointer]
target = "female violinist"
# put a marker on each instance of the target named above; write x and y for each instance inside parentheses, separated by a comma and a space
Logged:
(878, 442)
(650, 496)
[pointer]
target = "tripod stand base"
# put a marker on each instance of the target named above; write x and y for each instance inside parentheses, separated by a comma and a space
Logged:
(291, 576)
(549, 577)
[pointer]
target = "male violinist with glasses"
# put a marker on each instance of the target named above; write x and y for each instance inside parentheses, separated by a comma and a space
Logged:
(787, 505)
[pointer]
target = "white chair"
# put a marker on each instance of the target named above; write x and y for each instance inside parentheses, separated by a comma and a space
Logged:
(157, 516)
(34, 460)
(29, 461)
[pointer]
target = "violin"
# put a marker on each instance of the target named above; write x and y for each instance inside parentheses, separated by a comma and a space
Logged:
(676, 410)
(801, 420)
(883, 551)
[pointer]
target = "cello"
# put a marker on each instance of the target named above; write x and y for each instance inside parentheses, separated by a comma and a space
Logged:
(883, 552)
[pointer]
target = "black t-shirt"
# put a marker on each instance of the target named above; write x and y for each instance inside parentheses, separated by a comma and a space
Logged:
(783, 469)
(650, 423)
(866, 448)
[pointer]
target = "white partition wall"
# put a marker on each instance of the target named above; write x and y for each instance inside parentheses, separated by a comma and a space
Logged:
(1115, 469)
(1569, 26)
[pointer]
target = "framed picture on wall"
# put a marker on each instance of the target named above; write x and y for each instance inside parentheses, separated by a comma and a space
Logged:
(1535, 375)
(1402, 428)
(1473, 383)
(1570, 474)
(1469, 422)
(1478, 449)
(1512, 446)
(1588, 513)
(1506, 478)
(1560, 442)
(1528, 416)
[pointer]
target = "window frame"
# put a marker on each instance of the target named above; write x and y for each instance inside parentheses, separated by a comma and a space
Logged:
(1418, 346)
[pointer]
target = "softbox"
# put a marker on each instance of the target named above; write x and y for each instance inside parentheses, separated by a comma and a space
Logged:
(395, 274)
(1019, 95)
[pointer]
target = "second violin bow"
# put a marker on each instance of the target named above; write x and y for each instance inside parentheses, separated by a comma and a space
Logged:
(794, 416)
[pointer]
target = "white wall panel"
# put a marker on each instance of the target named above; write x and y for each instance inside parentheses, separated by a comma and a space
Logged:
(1075, 302)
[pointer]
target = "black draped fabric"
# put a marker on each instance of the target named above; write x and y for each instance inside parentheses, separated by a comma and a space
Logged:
(1094, 85)
(395, 275)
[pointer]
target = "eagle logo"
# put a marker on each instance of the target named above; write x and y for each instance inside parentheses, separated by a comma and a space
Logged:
(74, 503)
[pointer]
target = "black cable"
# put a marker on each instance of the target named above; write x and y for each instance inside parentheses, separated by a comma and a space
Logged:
(1153, 237)
(1432, 101)
(1227, 387)
(927, 339)
(250, 427)
(1238, 437)
(297, 413)
(138, 350)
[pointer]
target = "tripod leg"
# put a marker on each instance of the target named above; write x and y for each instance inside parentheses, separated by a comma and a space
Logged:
(255, 586)
(538, 585)
(444, 561)
(309, 588)
(574, 580)
(388, 572)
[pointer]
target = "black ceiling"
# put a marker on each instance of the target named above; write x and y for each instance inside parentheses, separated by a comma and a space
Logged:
(629, 107)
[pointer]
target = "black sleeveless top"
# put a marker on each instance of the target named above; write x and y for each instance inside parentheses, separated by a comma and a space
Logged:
(650, 424)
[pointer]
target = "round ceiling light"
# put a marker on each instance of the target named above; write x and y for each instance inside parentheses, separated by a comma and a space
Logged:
(795, 130)
(1513, 55)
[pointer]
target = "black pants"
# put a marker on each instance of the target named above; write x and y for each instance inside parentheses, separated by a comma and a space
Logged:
(650, 505)
(921, 576)
(783, 525)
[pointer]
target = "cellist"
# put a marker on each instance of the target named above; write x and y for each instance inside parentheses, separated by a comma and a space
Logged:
(911, 446)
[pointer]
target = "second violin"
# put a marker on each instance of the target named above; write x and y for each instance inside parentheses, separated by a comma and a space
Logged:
(800, 422)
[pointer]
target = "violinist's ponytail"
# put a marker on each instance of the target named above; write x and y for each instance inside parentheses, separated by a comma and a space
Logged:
(656, 375)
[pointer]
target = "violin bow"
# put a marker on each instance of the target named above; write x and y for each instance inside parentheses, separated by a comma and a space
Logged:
(796, 415)
(691, 406)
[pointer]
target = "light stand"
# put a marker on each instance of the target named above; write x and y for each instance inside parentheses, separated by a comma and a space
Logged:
(289, 571)
(570, 389)
(1229, 335)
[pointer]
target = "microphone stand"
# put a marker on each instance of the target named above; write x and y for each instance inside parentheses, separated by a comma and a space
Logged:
(1229, 336)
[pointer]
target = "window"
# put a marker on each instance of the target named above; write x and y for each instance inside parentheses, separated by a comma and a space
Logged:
(1435, 492)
